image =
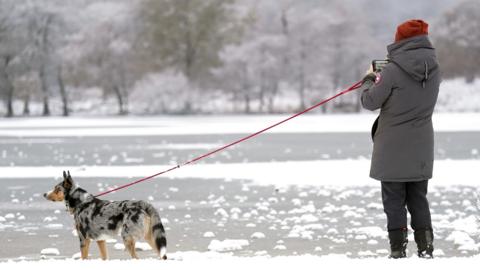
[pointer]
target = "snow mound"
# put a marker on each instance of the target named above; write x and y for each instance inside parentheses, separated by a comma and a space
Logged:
(463, 241)
(50, 251)
(208, 235)
(258, 235)
(227, 245)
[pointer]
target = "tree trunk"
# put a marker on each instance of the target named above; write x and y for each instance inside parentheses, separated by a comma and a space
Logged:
(272, 96)
(263, 90)
(26, 105)
(247, 103)
(44, 85)
(44, 63)
(9, 106)
(301, 90)
(187, 107)
(118, 94)
(9, 89)
(246, 89)
(63, 92)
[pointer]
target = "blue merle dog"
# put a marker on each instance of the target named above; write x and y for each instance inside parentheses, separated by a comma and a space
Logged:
(99, 220)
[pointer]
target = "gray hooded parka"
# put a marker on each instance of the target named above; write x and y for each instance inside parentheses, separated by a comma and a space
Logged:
(406, 92)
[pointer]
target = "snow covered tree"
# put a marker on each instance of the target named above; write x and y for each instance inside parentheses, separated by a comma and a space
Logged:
(187, 35)
(42, 32)
(12, 46)
(249, 71)
(457, 38)
(104, 52)
(37, 31)
(7, 52)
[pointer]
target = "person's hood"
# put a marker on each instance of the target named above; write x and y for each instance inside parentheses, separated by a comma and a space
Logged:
(416, 56)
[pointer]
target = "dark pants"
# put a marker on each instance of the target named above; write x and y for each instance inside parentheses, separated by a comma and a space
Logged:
(413, 195)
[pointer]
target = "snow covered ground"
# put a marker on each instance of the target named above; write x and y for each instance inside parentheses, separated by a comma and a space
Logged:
(191, 125)
(217, 261)
(294, 197)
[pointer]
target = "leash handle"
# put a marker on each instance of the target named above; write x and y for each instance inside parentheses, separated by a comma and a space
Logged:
(351, 88)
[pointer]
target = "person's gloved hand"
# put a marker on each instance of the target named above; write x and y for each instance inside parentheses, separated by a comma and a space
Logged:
(369, 75)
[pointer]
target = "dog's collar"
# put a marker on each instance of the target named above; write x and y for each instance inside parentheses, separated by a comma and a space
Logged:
(84, 198)
(88, 199)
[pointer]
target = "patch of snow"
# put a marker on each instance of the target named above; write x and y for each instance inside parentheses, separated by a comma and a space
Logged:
(142, 246)
(119, 246)
(372, 242)
(367, 253)
(54, 226)
(173, 189)
(280, 247)
(463, 241)
(258, 235)
(50, 251)
(369, 231)
(227, 245)
(351, 214)
(185, 146)
(208, 235)
(221, 212)
(361, 237)
(77, 256)
(49, 219)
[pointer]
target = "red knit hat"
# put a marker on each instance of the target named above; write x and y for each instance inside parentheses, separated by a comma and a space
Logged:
(411, 28)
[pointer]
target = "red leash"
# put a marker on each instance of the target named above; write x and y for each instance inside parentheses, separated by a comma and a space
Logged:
(351, 88)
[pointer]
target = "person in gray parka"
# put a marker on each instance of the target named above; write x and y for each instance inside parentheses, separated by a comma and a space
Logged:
(405, 91)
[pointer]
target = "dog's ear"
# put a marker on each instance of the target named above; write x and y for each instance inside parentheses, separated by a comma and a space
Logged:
(67, 180)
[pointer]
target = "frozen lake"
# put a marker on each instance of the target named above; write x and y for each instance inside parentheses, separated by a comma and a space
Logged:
(201, 208)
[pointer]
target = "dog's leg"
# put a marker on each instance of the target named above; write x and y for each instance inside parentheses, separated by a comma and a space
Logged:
(103, 249)
(84, 246)
(130, 246)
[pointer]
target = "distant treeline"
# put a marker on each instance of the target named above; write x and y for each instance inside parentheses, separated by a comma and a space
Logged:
(201, 56)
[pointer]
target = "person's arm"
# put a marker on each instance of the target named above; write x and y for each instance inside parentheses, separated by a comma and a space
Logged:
(378, 89)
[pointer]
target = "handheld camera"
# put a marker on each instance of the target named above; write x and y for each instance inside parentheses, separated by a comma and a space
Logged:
(378, 65)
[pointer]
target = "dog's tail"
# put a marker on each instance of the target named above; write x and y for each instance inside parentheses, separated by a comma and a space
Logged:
(157, 232)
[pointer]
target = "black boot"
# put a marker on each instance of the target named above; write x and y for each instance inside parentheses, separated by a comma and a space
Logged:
(424, 240)
(398, 243)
